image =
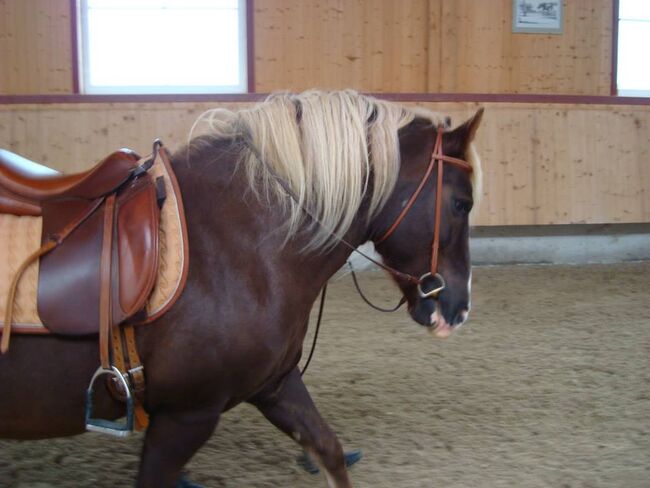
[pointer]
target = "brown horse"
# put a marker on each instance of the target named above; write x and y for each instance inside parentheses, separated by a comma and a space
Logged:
(269, 194)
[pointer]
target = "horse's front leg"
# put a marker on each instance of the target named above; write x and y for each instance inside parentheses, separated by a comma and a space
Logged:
(171, 440)
(291, 409)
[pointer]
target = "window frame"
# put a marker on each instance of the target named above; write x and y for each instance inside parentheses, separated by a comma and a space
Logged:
(80, 61)
(614, 91)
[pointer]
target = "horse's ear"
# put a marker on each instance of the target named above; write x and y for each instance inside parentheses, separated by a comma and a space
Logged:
(471, 126)
(463, 135)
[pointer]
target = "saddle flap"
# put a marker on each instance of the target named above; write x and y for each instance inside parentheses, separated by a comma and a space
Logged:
(69, 277)
(136, 248)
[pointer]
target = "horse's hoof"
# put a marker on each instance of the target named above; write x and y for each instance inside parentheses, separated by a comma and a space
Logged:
(185, 483)
(306, 462)
(353, 457)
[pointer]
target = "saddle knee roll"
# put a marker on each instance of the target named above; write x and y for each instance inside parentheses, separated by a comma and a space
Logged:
(69, 277)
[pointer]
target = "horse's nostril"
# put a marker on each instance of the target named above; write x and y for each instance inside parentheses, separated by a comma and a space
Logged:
(463, 315)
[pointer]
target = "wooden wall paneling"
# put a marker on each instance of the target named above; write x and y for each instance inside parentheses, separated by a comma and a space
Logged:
(561, 164)
(377, 46)
(578, 61)
(35, 47)
(509, 186)
(436, 30)
(405, 45)
(480, 54)
(370, 45)
(72, 137)
(543, 164)
(471, 39)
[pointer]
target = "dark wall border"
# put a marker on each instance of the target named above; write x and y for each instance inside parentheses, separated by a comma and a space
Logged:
(615, 15)
(397, 97)
(250, 45)
(74, 47)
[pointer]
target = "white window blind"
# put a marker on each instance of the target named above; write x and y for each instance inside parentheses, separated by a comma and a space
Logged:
(633, 71)
(162, 46)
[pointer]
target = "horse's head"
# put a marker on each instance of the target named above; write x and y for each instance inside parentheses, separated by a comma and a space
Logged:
(409, 247)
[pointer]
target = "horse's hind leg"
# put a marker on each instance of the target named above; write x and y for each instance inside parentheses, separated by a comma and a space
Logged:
(170, 442)
(291, 409)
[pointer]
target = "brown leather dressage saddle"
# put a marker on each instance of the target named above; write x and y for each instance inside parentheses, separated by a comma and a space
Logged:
(97, 262)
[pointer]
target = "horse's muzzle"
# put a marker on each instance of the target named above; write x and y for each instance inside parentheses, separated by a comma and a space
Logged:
(441, 328)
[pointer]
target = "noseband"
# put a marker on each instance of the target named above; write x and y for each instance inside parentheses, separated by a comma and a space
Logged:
(431, 283)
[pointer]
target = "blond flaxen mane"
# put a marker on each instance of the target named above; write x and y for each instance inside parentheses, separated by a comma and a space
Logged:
(325, 146)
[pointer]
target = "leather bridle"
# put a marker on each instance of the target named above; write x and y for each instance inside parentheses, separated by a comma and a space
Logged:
(431, 283)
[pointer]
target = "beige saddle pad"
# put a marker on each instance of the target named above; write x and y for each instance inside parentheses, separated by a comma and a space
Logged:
(21, 236)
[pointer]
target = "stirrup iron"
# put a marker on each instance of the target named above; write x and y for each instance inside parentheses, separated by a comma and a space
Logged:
(110, 427)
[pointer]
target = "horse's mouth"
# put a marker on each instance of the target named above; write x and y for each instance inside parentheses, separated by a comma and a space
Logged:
(427, 313)
(439, 327)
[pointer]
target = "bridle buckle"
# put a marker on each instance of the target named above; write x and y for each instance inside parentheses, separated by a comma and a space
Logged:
(433, 285)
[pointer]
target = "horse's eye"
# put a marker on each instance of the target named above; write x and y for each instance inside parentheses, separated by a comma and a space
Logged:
(462, 206)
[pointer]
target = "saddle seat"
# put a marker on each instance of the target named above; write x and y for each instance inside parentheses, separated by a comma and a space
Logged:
(33, 181)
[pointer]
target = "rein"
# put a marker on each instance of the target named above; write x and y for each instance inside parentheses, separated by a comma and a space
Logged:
(401, 302)
(433, 281)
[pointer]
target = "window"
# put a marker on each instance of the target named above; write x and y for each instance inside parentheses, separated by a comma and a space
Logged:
(633, 71)
(162, 46)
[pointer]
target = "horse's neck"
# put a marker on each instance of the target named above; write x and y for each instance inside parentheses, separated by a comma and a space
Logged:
(314, 269)
(232, 231)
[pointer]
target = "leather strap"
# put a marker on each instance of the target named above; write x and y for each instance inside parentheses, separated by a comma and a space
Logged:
(136, 370)
(105, 307)
(416, 193)
(436, 225)
(136, 375)
(132, 369)
(117, 355)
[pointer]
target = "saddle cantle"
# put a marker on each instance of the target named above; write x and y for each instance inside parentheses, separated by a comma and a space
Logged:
(33, 181)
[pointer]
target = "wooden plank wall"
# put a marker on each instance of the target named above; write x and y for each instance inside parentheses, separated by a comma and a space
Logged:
(371, 45)
(449, 46)
(478, 52)
(543, 164)
(555, 164)
(35, 47)
(376, 45)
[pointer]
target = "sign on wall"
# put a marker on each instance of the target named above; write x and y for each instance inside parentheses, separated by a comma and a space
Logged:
(537, 16)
